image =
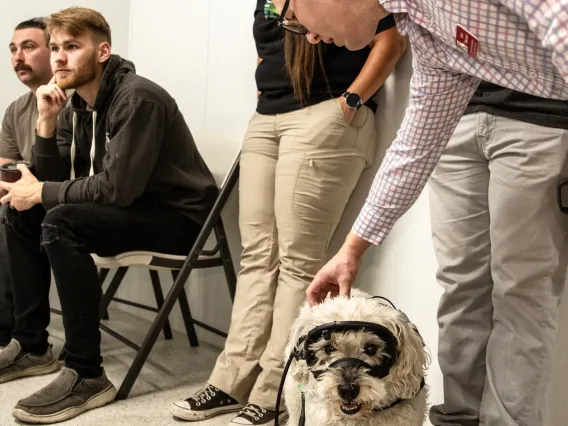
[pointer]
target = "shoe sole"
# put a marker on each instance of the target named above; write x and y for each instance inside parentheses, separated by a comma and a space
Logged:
(105, 397)
(193, 416)
(39, 370)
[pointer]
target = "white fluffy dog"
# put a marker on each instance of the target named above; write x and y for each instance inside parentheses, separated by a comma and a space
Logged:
(352, 376)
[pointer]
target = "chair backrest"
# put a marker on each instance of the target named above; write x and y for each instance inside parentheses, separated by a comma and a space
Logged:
(233, 174)
(227, 187)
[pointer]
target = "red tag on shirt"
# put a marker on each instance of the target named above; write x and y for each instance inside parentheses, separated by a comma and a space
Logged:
(466, 41)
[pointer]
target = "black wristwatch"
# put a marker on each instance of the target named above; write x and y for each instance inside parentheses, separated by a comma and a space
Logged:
(353, 100)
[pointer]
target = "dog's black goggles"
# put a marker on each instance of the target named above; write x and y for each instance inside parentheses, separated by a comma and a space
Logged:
(324, 332)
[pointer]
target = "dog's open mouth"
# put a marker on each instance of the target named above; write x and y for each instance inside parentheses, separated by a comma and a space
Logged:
(350, 408)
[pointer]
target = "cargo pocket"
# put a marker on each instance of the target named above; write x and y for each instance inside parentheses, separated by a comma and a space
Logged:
(323, 187)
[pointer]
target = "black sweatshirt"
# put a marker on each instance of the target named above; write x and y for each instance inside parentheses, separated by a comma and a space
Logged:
(142, 149)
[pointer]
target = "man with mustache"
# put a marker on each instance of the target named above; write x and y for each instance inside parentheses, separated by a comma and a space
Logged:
(29, 55)
(118, 172)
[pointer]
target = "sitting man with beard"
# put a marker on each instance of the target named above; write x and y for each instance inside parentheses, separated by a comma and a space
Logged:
(118, 172)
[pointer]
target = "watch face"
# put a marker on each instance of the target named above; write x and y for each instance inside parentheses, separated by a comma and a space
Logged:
(353, 100)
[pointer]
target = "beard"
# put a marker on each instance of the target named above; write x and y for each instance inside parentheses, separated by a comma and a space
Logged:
(79, 76)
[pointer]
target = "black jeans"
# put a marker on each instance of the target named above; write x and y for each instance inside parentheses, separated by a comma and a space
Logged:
(68, 235)
(6, 300)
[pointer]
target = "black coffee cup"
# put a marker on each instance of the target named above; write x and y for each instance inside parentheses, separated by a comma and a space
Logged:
(9, 173)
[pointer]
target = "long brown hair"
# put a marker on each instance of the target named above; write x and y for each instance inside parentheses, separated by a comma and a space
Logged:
(301, 58)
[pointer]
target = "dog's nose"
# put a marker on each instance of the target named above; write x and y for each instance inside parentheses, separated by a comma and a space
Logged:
(348, 391)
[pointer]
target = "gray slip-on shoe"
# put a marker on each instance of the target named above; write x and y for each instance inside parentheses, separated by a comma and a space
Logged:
(15, 363)
(65, 398)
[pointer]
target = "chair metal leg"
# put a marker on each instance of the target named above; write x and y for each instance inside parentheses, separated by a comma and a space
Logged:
(152, 336)
(178, 286)
(111, 290)
(186, 315)
(160, 301)
(225, 253)
(103, 272)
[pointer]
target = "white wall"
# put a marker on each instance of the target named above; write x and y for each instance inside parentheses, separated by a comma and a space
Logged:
(13, 12)
(202, 52)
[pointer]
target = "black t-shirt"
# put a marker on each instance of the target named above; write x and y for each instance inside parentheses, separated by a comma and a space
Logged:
(520, 106)
(341, 65)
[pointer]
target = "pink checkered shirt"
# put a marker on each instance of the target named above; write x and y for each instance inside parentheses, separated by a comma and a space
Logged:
(523, 45)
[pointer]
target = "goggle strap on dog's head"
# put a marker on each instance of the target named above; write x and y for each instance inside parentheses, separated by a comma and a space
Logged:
(386, 300)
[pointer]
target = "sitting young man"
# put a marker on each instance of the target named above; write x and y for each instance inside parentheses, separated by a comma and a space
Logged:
(137, 182)
(30, 59)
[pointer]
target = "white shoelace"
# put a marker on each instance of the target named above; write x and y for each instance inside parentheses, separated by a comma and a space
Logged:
(205, 395)
(253, 411)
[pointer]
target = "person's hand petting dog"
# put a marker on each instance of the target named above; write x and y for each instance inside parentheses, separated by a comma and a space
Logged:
(338, 275)
(23, 194)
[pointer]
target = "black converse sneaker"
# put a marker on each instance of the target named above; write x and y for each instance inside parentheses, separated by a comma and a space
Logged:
(208, 402)
(255, 415)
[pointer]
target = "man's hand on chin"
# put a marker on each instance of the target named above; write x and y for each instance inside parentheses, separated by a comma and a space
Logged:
(23, 194)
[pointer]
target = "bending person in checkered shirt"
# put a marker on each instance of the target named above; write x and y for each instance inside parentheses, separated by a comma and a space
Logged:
(499, 235)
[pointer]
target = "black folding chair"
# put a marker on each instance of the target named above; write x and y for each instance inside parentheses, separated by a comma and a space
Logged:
(180, 267)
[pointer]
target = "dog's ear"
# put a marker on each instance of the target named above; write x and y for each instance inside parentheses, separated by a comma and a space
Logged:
(412, 362)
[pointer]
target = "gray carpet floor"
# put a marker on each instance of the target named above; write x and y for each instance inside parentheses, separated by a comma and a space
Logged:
(173, 371)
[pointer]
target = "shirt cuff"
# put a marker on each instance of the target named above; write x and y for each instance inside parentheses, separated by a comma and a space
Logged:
(50, 194)
(369, 226)
(46, 146)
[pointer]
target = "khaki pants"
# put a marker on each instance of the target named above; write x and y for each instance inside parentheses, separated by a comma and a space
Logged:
(298, 171)
(500, 240)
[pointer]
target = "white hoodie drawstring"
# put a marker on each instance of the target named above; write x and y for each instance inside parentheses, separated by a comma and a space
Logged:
(73, 148)
(92, 170)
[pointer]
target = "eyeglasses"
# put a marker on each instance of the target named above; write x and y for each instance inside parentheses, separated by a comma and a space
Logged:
(290, 25)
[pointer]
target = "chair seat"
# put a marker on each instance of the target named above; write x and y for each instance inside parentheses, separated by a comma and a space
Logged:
(145, 259)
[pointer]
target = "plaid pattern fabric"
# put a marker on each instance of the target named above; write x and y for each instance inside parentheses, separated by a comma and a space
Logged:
(523, 45)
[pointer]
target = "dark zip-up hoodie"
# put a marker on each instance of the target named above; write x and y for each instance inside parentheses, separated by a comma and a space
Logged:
(141, 147)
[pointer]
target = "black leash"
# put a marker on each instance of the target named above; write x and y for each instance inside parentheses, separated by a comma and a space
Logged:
(302, 421)
(281, 388)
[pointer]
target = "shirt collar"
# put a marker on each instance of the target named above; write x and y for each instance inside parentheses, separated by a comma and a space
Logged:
(395, 6)
(400, 10)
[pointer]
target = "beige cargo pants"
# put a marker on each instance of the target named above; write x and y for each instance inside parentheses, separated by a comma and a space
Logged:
(298, 171)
